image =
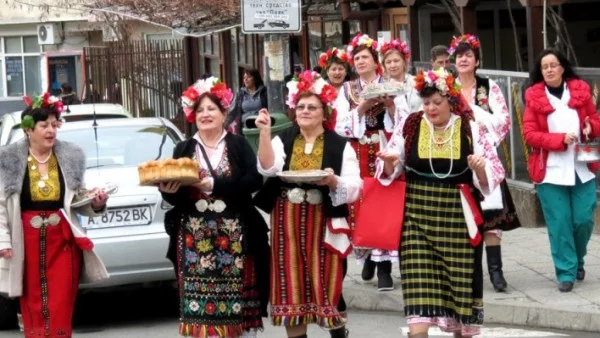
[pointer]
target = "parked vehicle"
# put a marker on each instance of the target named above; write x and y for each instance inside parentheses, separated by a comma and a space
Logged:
(260, 24)
(77, 112)
(130, 238)
(279, 23)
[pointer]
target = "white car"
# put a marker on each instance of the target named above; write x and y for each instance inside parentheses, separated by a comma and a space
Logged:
(130, 238)
(77, 112)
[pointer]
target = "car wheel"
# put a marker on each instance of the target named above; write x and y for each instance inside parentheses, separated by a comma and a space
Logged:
(8, 314)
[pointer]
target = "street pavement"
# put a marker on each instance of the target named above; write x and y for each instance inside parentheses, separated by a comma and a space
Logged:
(163, 324)
(532, 300)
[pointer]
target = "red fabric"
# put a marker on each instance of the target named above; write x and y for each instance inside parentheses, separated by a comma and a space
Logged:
(477, 217)
(538, 107)
(51, 278)
(379, 222)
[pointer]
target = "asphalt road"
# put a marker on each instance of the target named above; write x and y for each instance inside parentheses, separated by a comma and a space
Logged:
(150, 313)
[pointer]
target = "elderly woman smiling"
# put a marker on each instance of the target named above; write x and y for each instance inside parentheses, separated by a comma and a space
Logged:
(448, 163)
(309, 231)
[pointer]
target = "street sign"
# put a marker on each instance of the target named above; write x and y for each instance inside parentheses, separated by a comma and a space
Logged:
(271, 16)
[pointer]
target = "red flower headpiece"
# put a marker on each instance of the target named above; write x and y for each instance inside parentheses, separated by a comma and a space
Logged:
(398, 45)
(439, 79)
(331, 55)
(210, 85)
(467, 38)
(360, 39)
(310, 81)
(43, 101)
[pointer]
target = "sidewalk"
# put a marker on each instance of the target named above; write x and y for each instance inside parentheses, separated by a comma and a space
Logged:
(532, 298)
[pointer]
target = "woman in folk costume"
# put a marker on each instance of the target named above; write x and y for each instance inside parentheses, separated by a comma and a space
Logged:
(309, 229)
(367, 124)
(491, 112)
(335, 67)
(395, 59)
(336, 70)
(43, 249)
(559, 113)
(221, 239)
(448, 163)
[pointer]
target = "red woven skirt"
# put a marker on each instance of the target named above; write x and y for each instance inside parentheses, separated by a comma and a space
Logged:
(51, 275)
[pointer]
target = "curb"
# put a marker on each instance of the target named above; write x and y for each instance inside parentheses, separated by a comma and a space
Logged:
(369, 299)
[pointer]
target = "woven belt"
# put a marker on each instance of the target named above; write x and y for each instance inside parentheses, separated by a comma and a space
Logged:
(212, 205)
(299, 196)
(39, 221)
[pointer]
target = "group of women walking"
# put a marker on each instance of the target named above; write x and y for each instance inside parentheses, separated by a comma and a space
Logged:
(439, 136)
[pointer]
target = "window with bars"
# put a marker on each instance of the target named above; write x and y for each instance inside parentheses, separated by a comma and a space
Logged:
(20, 66)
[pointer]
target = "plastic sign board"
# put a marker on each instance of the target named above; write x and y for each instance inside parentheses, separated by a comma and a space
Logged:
(271, 16)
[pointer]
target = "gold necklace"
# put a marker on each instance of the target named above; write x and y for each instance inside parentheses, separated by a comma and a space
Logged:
(43, 177)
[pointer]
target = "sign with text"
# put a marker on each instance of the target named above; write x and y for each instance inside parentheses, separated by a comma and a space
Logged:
(271, 16)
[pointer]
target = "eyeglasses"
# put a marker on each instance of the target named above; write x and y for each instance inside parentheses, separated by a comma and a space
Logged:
(550, 65)
(310, 108)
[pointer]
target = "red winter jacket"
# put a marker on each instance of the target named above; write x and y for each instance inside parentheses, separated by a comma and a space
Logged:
(538, 107)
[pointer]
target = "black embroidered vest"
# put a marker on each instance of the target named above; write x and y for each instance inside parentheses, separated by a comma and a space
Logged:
(332, 158)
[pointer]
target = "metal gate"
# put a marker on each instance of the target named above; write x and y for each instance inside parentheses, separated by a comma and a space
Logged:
(146, 77)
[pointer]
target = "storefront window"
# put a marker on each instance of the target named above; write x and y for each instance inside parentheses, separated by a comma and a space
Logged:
(1, 78)
(207, 45)
(333, 34)
(33, 78)
(216, 49)
(30, 44)
(14, 75)
(315, 41)
(214, 67)
(20, 66)
(354, 27)
(241, 47)
(12, 45)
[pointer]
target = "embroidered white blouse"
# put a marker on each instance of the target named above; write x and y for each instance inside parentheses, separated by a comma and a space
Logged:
(561, 167)
(348, 189)
(481, 146)
(348, 122)
(411, 96)
(497, 120)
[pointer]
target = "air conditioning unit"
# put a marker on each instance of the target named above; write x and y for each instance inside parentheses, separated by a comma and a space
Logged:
(49, 34)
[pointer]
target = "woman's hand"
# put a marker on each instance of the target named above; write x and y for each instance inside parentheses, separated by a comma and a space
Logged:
(263, 121)
(204, 185)
(331, 180)
(169, 187)
(388, 102)
(390, 161)
(587, 129)
(100, 198)
(364, 105)
(571, 138)
(476, 162)
(6, 253)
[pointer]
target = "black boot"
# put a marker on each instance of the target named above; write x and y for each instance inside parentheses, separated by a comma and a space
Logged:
(368, 271)
(494, 260)
(385, 282)
(340, 332)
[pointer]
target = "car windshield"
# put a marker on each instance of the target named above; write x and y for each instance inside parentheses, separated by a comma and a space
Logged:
(122, 145)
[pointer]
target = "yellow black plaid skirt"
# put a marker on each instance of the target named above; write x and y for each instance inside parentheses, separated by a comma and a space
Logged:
(437, 259)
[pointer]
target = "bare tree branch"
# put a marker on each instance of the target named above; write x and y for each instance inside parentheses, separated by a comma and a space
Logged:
(454, 13)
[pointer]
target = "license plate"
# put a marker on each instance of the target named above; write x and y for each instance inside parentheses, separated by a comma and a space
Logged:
(119, 217)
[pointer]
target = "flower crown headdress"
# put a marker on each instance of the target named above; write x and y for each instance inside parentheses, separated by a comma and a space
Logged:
(398, 45)
(467, 38)
(360, 39)
(210, 85)
(311, 82)
(439, 79)
(43, 101)
(331, 55)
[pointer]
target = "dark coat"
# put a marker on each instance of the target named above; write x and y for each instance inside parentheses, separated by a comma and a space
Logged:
(236, 191)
